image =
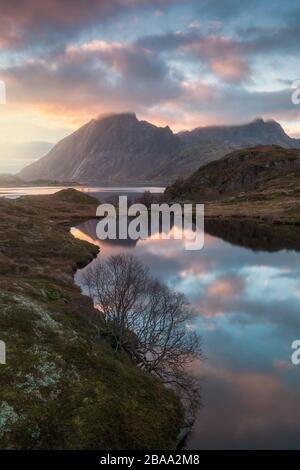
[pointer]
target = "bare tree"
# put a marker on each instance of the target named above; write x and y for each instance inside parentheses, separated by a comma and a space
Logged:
(147, 198)
(147, 320)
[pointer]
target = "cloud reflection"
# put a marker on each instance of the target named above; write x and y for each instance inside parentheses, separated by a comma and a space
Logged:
(248, 312)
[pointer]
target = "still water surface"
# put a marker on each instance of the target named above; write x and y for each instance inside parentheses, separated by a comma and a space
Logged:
(245, 288)
(97, 191)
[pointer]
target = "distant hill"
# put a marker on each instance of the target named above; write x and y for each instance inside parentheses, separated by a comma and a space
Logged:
(242, 171)
(7, 181)
(121, 150)
(29, 150)
(17, 155)
(10, 181)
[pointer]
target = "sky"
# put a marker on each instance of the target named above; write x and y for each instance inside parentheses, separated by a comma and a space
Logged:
(173, 62)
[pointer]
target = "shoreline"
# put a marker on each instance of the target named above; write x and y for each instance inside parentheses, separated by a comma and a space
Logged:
(80, 395)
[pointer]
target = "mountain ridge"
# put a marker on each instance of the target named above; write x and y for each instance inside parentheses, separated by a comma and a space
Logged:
(120, 149)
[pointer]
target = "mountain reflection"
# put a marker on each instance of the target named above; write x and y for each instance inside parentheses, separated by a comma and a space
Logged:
(257, 236)
(245, 287)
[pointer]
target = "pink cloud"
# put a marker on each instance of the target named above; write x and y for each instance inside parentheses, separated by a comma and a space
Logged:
(225, 287)
(22, 24)
(232, 70)
(223, 56)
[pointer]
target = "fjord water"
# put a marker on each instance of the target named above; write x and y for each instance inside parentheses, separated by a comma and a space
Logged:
(96, 191)
(245, 288)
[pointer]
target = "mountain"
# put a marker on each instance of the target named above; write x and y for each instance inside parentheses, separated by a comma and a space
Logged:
(111, 150)
(205, 144)
(120, 149)
(257, 132)
(258, 169)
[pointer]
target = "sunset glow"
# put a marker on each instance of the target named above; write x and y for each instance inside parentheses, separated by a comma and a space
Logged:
(183, 64)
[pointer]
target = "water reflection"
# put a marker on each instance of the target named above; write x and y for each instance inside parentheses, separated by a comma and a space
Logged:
(248, 305)
(254, 235)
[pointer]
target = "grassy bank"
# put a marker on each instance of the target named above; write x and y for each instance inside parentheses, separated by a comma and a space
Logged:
(63, 386)
(260, 182)
(273, 206)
